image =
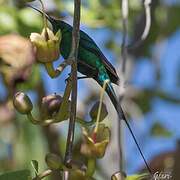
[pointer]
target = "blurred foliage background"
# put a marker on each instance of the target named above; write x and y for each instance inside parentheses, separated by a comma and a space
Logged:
(151, 96)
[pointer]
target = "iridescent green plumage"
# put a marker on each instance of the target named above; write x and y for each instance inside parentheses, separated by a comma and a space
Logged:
(92, 63)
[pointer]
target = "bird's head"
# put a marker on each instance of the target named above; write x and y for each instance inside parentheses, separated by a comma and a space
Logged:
(56, 24)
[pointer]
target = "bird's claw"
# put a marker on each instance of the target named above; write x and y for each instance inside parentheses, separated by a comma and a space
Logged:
(67, 79)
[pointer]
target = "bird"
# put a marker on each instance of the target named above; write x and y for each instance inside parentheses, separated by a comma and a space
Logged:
(92, 63)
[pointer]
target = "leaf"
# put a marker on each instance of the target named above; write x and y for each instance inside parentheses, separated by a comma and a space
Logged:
(159, 130)
(137, 177)
(16, 175)
(167, 97)
(143, 100)
(35, 166)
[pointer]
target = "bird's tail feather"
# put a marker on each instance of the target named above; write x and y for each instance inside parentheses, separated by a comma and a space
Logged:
(121, 115)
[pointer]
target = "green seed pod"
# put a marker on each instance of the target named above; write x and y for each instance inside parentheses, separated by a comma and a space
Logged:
(94, 111)
(22, 103)
(53, 161)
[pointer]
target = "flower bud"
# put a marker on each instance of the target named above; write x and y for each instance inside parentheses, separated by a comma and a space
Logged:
(118, 176)
(29, 0)
(53, 161)
(22, 103)
(95, 149)
(50, 106)
(94, 111)
(47, 45)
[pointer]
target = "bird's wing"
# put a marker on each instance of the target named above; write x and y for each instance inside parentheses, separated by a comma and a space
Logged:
(88, 43)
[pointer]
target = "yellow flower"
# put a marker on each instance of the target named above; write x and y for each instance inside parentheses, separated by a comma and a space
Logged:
(47, 45)
(94, 145)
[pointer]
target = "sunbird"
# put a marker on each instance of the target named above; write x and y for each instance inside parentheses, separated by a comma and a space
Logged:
(92, 63)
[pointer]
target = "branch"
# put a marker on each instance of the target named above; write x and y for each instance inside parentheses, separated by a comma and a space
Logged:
(73, 57)
(123, 48)
(43, 174)
(147, 9)
(124, 58)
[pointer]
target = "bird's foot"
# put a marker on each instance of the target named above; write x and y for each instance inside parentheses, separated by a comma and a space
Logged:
(78, 78)
(83, 77)
(68, 79)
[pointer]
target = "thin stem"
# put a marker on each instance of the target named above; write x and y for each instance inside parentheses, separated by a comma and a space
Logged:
(43, 174)
(65, 175)
(40, 123)
(85, 123)
(123, 70)
(124, 19)
(50, 70)
(99, 109)
(55, 73)
(90, 168)
(65, 103)
(73, 56)
(147, 9)
(121, 147)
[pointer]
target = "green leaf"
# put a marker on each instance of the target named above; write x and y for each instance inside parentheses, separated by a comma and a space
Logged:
(35, 166)
(7, 20)
(167, 97)
(137, 177)
(159, 130)
(34, 21)
(143, 100)
(16, 175)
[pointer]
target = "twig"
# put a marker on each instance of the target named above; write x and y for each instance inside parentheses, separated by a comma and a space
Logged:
(43, 174)
(124, 58)
(124, 19)
(148, 19)
(66, 175)
(121, 147)
(147, 9)
(73, 57)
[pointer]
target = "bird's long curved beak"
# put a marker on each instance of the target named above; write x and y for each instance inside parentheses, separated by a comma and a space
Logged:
(50, 19)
